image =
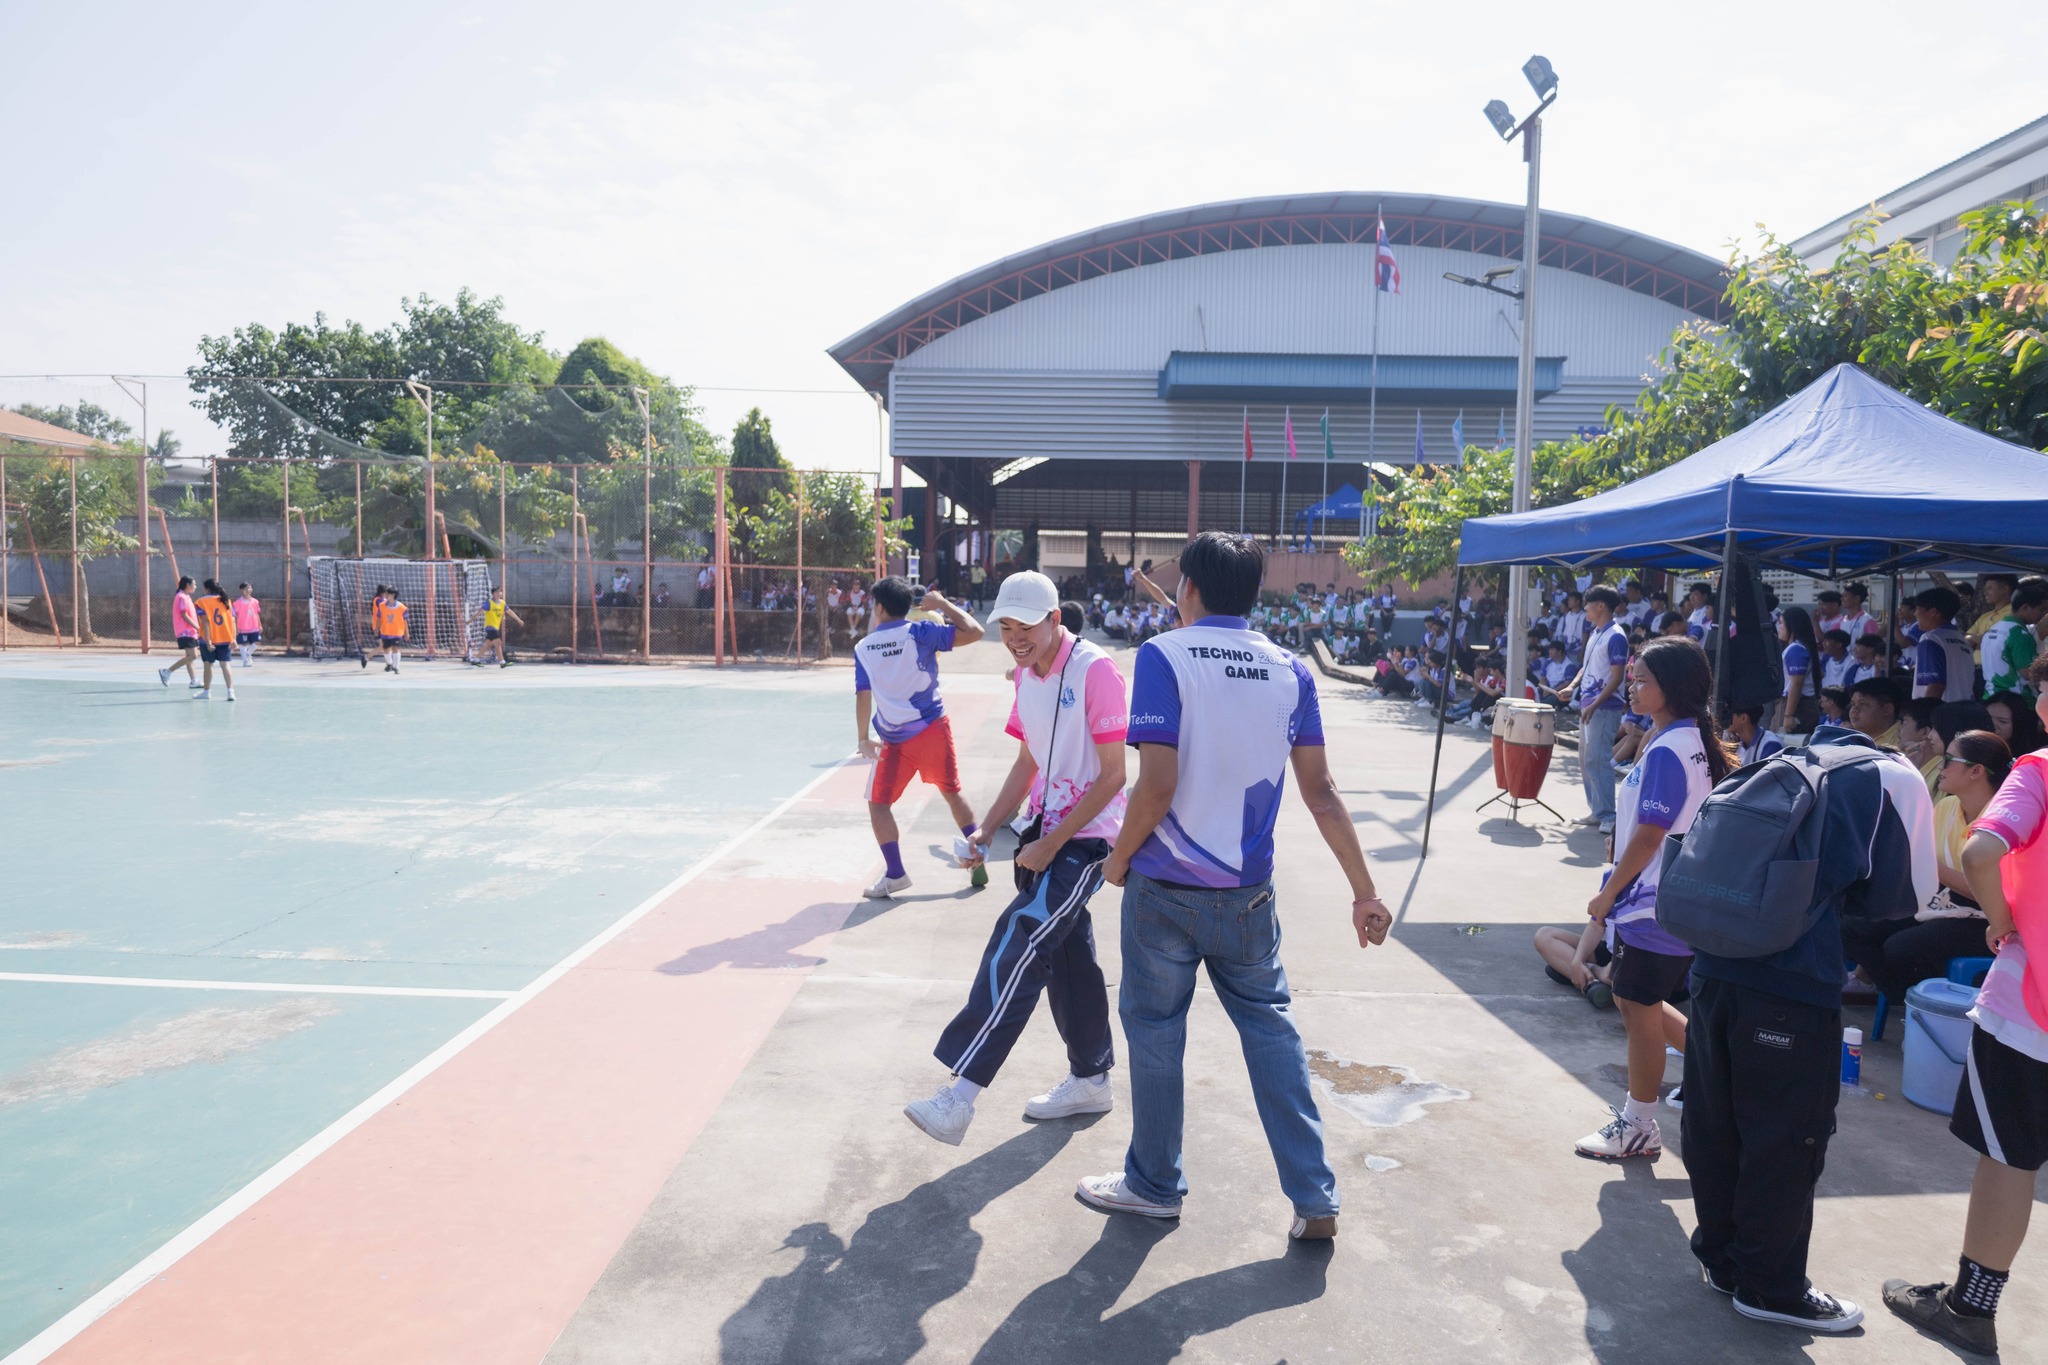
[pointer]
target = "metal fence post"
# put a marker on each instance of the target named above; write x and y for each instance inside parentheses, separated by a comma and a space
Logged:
(76, 638)
(213, 494)
(501, 535)
(6, 554)
(287, 556)
(800, 585)
(359, 509)
(575, 554)
(142, 547)
(718, 584)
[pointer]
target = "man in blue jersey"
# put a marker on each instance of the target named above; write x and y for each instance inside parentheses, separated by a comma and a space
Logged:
(896, 686)
(1218, 715)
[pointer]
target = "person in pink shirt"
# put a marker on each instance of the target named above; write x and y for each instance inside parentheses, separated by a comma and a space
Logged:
(248, 622)
(185, 629)
(1069, 717)
(2001, 1105)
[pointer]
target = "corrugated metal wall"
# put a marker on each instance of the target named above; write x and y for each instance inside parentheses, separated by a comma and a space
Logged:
(1079, 414)
(1305, 299)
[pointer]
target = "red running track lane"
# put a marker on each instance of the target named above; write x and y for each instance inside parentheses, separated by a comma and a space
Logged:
(468, 1220)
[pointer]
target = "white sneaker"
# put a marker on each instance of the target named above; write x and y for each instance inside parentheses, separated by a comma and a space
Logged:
(1109, 1192)
(1676, 1099)
(1621, 1139)
(886, 886)
(944, 1116)
(1071, 1096)
(203, 694)
(231, 694)
(163, 675)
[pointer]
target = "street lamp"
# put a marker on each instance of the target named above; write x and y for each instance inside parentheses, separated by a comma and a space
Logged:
(1543, 80)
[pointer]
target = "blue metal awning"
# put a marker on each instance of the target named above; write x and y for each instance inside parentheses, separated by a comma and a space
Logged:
(1249, 377)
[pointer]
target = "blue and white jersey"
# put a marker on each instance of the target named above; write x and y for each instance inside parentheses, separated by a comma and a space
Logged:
(1942, 656)
(1797, 660)
(1665, 789)
(899, 663)
(1235, 707)
(1606, 651)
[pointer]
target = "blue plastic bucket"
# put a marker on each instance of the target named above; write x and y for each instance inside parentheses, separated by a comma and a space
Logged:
(1937, 1042)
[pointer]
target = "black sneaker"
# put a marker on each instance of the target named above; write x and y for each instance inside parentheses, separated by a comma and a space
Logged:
(1814, 1311)
(1722, 1283)
(1926, 1307)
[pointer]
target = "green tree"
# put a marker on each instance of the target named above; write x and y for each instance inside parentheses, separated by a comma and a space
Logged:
(87, 419)
(1970, 341)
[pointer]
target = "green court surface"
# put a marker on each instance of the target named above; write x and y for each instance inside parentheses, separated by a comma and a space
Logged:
(446, 836)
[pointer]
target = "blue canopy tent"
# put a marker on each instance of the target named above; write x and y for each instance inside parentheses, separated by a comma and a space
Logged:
(1847, 476)
(1346, 504)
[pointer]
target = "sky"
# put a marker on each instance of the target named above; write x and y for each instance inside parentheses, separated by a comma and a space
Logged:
(726, 190)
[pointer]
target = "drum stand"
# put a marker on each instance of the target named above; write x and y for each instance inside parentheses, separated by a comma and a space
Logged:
(1515, 805)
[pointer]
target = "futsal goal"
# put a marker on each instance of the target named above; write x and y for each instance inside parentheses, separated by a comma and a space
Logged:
(444, 598)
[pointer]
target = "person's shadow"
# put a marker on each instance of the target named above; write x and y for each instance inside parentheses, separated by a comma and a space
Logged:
(864, 1299)
(774, 946)
(1642, 1287)
(1063, 1319)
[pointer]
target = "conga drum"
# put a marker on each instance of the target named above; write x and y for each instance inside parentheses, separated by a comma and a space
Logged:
(1524, 732)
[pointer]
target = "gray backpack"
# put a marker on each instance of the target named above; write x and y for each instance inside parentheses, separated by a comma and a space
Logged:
(1740, 882)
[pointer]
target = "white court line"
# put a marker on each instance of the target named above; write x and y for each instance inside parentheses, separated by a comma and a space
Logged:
(288, 987)
(54, 1337)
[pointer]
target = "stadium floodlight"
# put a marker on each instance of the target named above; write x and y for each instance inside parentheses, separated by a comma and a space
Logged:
(1489, 281)
(1542, 78)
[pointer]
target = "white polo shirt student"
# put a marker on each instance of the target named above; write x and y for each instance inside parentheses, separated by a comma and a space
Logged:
(1219, 715)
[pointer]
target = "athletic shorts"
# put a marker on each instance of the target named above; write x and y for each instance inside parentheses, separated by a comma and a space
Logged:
(188, 642)
(219, 654)
(927, 754)
(249, 637)
(391, 641)
(1642, 977)
(2002, 1104)
(492, 632)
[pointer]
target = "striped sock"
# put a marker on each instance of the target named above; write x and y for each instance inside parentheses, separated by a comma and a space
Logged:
(892, 859)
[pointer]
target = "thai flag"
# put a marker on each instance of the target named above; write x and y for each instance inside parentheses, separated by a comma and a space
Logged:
(1386, 270)
(1247, 435)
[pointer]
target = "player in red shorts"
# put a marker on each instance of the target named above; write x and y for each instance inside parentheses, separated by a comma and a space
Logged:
(896, 685)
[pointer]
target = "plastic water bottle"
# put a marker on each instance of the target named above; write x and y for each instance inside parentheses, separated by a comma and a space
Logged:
(1852, 1056)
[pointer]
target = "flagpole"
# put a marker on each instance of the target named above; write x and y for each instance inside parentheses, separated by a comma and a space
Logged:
(1320, 510)
(1372, 411)
(1285, 526)
(1243, 466)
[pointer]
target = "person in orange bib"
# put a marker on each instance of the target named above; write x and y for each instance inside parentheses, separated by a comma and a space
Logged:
(216, 639)
(387, 617)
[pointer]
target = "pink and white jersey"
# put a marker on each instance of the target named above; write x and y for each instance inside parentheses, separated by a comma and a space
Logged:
(2015, 817)
(1084, 689)
(184, 616)
(248, 615)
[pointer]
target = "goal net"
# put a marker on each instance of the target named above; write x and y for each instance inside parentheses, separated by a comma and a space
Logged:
(444, 599)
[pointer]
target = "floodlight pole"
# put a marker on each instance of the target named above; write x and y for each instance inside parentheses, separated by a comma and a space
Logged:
(1525, 402)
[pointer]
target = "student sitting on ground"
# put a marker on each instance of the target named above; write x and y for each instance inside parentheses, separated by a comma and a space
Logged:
(1753, 743)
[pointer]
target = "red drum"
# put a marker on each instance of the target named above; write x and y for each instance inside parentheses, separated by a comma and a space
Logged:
(1524, 732)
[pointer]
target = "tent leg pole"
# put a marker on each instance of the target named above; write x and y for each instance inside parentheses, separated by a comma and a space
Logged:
(1443, 697)
(1891, 612)
(1721, 686)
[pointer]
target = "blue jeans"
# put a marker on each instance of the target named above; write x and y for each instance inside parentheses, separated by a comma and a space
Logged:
(1167, 932)
(1596, 760)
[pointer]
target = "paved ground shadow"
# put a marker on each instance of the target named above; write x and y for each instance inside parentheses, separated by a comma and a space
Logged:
(1064, 1319)
(864, 1299)
(775, 945)
(1642, 1287)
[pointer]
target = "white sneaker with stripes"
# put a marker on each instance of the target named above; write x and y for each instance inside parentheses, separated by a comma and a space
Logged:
(1072, 1096)
(1621, 1139)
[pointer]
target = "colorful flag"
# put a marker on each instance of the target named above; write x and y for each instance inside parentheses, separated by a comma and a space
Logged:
(1292, 453)
(1247, 435)
(1500, 435)
(1458, 434)
(1420, 453)
(1329, 453)
(1386, 271)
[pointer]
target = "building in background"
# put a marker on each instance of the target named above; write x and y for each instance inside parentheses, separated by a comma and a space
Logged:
(1925, 211)
(1096, 389)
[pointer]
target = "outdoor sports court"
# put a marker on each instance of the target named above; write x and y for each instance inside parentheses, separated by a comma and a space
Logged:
(481, 1016)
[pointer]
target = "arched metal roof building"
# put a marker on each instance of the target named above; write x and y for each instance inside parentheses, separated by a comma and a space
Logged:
(1116, 355)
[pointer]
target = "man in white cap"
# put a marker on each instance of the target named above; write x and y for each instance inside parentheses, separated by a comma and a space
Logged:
(1069, 717)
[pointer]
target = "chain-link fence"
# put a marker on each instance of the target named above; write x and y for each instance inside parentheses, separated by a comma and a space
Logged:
(612, 560)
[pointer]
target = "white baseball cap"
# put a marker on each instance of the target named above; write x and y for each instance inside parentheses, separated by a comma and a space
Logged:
(1026, 598)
